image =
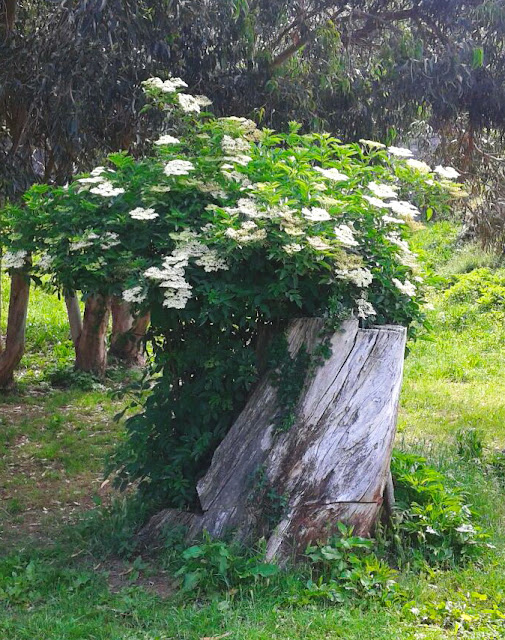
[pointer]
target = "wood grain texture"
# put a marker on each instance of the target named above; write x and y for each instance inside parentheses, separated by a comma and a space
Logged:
(332, 465)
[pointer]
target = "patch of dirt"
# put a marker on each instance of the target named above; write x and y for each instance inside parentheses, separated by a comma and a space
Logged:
(120, 574)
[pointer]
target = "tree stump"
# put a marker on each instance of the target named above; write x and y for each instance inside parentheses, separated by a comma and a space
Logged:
(331, 466)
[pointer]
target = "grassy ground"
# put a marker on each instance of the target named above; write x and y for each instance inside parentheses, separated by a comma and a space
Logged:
(58, 581)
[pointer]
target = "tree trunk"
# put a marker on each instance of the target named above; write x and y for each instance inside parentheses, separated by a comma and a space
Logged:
(331, 466)
(127, 334)
(16, 328)
(7, 15)
(74, 317)
(91, 352)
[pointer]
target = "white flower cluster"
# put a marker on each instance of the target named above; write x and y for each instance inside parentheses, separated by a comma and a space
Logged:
(45, 262)
(188, 103)
(404, 208)
(418, 165)
(292, 247)
(134, 295)
(449, 173)
(400, 152)
(236, 151)
(317, 243)
(168, 86)
(407, 288)
(178, 168)
(400, 207)
(315, 214)
(87, 240)
(344, 234)
(247, 126)
(365, 308)
(109, 240)
(248, 233)
(249, 208)
(360, 276)
(332, 174)
(382, 190)
(376, 202)
(107, 190)
(373, 144)
(14, 259)
(143, 214)
(167, 139)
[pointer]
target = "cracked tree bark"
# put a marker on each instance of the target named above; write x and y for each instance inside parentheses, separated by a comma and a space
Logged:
(332, 465)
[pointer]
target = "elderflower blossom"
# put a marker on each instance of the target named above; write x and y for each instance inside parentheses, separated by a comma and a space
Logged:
(382, 190)
(203, 101)
(359, 276)
(210, 260)
(143, 214)
(188, 103)
(365, 308)
(404, 208)
(45, 262)
(134, 295)
(447, 172)
(293, 247)
(400, 152)
(107, 190)
(418, 165)
(109, 240)
(98, 179)
(82, 244)
(177, 298)
(317, 243)
(376, 202)
(233, 146)
(372, 144)
(97, 171)
(332, 174)
(167, 139)
(178, 168)
(235, 176)
(407, 288)
(168, 86)
(246, 125)
(345, 236)
(14, 259)
(390, 220)
(315, 214)
(247, 233)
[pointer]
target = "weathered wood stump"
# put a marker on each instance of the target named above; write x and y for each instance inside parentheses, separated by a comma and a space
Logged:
(331, 466)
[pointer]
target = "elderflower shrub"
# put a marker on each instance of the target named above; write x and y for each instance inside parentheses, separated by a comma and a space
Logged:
(224, 229)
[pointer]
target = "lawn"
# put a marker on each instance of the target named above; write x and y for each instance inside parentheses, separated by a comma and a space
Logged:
(61, 577)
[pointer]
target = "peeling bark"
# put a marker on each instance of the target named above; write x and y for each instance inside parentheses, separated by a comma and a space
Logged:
(332, 465)
(127, 333)
(90, 349)
(11, 355)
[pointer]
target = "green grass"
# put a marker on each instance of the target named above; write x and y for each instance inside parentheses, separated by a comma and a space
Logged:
(63, 582)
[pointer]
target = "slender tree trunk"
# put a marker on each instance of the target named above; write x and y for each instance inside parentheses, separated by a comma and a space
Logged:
(91, 352)
(7, 15)
(16, 328)
(127, 333)
(74, 317)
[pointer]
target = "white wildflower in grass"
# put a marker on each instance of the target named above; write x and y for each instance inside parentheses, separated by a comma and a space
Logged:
(332, 174)
(315, 214)
(390, 220)
(14, 259)
(178, 168)
(292, 247)
(400, 152)
(373, 144)
(376, 202)
(317, 243)
(404, 208)
(418, 165)
(203, 101)
(188, 103)
(407, 288)
(449, 173)
(382, 190)
(360, 276)
(109, 240)
(143, 214)
(134, 295)
(167, 139)
(365, 308)
(107, 190)
(344, 234)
